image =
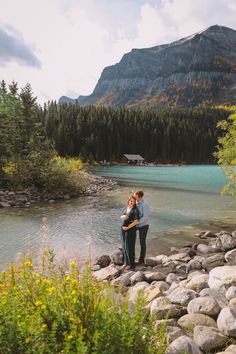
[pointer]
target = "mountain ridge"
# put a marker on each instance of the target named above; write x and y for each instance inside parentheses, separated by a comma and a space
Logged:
(194, 70)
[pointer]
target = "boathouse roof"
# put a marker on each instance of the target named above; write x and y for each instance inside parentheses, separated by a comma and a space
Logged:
(133, 157)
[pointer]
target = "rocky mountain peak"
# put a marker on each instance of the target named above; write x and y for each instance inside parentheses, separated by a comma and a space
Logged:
(198, 69)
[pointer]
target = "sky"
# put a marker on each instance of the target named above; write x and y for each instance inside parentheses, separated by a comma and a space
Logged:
(61, 46)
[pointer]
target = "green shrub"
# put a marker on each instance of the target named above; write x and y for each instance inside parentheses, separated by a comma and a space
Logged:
(57, 312)
(64, 175)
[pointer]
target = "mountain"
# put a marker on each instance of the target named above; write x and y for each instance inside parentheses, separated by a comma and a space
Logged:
(199, 69)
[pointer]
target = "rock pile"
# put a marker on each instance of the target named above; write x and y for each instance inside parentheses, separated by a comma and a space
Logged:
(95, 184)
(192, 292)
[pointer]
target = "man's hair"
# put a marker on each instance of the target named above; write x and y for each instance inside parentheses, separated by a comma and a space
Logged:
(139, 194)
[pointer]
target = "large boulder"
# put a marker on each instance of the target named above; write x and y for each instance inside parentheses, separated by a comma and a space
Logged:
(124, 279)
(117, 258)
(208, 338)
(222, 278)
(226, 321)
(155, 290)
(107, 273)
(231, 293)
(168, 311)
(154, 261)
(204, 305)
(179, 257)
(193, 265)
(103, 260)
(205, 249)
(198, 282)
(183, 344)
(137, 277)
(219, 298)
(182, 296)
(173, 332)
(230, 257)
(136, 290)
(188, 322)
(154, 276)
(213, 261)
(226, 242)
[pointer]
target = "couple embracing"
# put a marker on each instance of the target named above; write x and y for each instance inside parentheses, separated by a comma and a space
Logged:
(135, 217)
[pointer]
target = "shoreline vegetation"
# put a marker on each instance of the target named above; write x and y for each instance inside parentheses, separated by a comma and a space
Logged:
(181, 303)
(25, 198)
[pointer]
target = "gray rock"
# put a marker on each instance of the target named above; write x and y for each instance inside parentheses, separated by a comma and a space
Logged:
(4, 205)
(232, 303)
(117, 258)
(171, 278)
(219, 298)
(199, 259)
(189, 251)
(95, 267)
(137, 277)
(179, 257)
(193, 265)
(208, 338)
(210, 234)
(222, 278)
(124, 279)
(161, 323)
(183, 344)
(152, 292)
(226, 321)
(152, 276)
(136, 290)
(167, 311)
(182, 296)
(231, 349)
(225, 241)
(230, 257)
(198, 282)
(188, 322)
(173, 332)
(107, 273)
(204, 305)
(231, 293)
(153, 261)
(213, 261)
(103, 260)
(205, 249)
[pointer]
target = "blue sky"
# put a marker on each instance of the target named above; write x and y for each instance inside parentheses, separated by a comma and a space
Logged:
(62, 46)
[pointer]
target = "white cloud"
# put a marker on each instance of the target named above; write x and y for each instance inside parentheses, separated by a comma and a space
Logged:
(75, 40)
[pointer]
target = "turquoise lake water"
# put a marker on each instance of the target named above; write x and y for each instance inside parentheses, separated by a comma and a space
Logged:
(183, 200)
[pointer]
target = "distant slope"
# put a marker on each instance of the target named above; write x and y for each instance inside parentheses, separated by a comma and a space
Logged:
(199, 69)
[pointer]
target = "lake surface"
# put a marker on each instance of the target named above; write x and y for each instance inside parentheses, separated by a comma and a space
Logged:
(183, 200)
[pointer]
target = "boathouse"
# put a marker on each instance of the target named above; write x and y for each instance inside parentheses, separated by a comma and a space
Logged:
(133, 159)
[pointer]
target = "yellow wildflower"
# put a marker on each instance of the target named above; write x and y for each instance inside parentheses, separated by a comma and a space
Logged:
(51, 290)
(43, 326)
(69, 337)
(27, 340)
(38, 303)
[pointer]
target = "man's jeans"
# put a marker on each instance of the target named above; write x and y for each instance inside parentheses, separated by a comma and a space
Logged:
(142, 238)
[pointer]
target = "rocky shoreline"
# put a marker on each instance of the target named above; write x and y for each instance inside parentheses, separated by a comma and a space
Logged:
(27, 198)
(192, 292)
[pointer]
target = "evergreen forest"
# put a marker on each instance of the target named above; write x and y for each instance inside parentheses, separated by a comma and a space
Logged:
(187, 135)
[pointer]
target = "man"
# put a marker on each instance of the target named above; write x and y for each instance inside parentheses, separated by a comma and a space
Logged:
(143, 224)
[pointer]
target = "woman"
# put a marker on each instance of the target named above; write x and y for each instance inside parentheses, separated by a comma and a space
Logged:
(130, 219)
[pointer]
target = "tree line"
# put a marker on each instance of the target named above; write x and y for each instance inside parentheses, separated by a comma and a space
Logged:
(186, 135)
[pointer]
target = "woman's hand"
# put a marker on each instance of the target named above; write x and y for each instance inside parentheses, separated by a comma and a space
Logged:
(125, 228)
(124, 217)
